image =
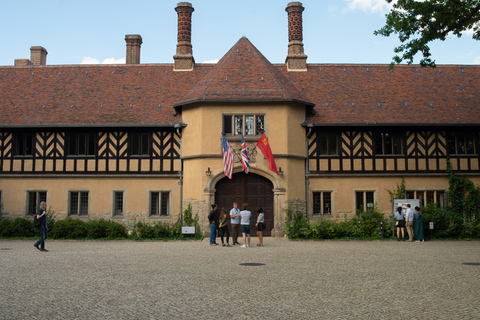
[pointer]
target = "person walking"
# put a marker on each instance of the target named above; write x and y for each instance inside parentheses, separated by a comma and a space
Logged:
(235, 223)
(260, 226)
(212, 219)
(42, 216)
(245, 215)
(223, 227)
(400, 224)
(418, 225)
(409, 219)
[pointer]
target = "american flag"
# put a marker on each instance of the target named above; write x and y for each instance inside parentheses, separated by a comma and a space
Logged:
(245, 157)
(227, 158)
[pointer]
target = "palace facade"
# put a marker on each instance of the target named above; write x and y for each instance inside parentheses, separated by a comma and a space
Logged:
(140, 142)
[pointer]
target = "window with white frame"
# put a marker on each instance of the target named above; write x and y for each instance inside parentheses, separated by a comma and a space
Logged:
(160, 203)
(249, 125)
(33, 201)
(118, 203)
(322, 202)
(364, 200)
(78, 203)
(438, 197)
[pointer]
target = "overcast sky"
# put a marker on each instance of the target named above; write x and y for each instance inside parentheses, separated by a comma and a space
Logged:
(88, 31)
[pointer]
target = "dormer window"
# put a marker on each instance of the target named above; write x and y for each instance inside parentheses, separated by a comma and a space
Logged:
(250, 125)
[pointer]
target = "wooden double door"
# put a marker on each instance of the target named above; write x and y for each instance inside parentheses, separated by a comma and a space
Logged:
(250, 188)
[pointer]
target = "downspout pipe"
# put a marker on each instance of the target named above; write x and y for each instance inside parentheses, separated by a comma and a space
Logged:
(180, 182)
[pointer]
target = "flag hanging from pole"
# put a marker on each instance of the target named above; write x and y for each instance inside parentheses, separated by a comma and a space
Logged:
(245, 157)
(227, 158)
(263, 145)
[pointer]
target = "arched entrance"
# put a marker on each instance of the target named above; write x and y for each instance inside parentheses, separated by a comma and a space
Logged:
(251, 188)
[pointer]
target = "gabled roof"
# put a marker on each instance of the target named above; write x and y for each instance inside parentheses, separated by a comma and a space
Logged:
(244, 74)
(375, 95)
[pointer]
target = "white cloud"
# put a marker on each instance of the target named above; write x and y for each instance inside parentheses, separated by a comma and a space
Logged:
(90, 60)
(373, 6)
(211, 61)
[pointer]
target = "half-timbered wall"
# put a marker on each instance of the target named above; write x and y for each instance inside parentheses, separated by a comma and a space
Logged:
(356, 151)
(111, 152)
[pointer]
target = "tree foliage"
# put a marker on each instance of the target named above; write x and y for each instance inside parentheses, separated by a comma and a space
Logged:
(419, 22)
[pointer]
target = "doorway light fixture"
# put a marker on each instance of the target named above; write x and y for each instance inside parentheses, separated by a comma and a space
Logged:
(280, 172)
(208, 172)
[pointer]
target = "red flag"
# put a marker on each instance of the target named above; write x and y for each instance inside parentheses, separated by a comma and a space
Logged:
(263, 145)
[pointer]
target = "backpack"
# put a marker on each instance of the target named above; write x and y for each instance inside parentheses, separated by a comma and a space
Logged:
(36, 222)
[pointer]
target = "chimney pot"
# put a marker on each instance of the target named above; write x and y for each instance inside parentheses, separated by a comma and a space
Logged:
(134, 41)
(38, 56)
(296, 58)
(184, 55)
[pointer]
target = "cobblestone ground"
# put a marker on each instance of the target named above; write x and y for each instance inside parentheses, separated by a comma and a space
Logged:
(192, 280)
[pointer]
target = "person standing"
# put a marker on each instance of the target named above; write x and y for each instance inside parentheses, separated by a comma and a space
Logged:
(235, 223)
(42, 216)
(260, 226)
(409, 219)
(418, 225)
(223, 227)
(245, 216)
(400, 224)
(212, 219)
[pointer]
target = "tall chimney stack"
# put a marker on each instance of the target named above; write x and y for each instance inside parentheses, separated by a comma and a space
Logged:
(296, 58)
(38, 56)
(184, 56)
(134, 41)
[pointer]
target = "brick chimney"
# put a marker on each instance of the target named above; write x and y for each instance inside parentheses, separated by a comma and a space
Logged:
(22, 62)
(296, 58)
(134, 41)
(184, 56)
(38, 56)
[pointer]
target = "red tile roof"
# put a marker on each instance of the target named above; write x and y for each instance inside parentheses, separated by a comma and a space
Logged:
(244, 74)
(144, 95)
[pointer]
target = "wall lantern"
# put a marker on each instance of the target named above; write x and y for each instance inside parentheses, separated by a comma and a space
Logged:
(280, 172)
(208, 172)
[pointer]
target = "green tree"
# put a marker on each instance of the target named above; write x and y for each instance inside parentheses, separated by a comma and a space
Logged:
(419, 22)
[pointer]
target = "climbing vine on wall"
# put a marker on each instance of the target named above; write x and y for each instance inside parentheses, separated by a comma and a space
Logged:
(464, 195)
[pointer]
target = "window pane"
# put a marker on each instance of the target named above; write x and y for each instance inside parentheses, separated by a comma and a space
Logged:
(469, 143)
(332, 144)
(461, 148)
(227, 124)
(118, 207)
(323, 144)
(135, 143)
(91, 144)
(397, 144)
(387, 139)
(378, 143)
(248, 125)
(359, 200)
(259, 126)
(410, 194)
(154, 203)
(369, 198)
(164, 208)
(317, 205)
(72, 144)
(238, 125)
(73, 203)
(83, 203)
(430, 198)
(451, 144)
(82, 144)
(145, 145)
(327, 203)
(32, 202)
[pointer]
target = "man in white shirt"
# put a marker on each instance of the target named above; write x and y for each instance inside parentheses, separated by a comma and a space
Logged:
(409, 220)
(235, 222)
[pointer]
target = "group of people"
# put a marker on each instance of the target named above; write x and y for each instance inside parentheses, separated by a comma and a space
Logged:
(412, 221)
(239, 222)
